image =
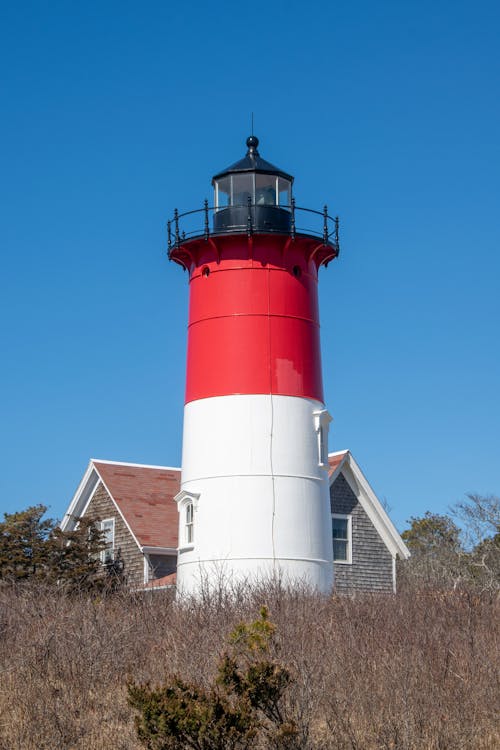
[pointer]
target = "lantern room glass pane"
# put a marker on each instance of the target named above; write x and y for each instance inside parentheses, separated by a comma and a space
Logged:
(265, 190)
(284, 192)
(243, 189)
(223, 192)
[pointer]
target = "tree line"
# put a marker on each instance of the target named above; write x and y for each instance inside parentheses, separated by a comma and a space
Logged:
(462, 547)
(459, 548)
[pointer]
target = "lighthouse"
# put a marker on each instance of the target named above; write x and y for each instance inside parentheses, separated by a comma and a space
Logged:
(254, 500)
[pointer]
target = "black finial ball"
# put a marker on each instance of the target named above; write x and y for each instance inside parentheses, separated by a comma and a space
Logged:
(252, 141)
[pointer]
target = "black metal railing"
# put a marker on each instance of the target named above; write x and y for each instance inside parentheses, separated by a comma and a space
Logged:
(196, 223)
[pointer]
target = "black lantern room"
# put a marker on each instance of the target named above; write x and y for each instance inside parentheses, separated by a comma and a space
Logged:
(252, 189)
(253, 196)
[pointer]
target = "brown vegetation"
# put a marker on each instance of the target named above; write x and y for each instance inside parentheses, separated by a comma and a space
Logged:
(414, 671)
(243, 709)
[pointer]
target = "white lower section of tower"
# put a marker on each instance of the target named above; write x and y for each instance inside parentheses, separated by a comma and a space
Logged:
(254, 502)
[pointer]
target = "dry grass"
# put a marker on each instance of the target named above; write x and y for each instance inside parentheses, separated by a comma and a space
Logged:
(418, 671)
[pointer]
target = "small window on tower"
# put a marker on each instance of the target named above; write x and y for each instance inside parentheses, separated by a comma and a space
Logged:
(323, 445)
(322, 419)
(187, 505)
(189, 523)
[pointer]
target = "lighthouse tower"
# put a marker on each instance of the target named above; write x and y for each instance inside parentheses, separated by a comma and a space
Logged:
(254, 500)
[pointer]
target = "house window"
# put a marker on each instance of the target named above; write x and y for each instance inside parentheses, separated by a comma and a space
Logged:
(108, 537)
(342, 538)
(189, 523)
(161, 565)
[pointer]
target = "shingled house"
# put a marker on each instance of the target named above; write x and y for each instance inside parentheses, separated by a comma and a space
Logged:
(365, 541)
(134, 505)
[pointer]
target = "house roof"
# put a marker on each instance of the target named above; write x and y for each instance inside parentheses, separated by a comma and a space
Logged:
(334, 461)
(144, 496)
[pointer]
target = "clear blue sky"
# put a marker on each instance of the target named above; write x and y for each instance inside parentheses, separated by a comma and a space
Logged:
(114, 113)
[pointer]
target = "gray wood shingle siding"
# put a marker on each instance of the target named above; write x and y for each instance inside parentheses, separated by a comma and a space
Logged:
(371, 567)
(100, 507)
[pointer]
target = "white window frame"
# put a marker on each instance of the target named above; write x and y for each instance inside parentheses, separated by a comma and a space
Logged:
(348, 518)
(187, 529)
(189, 522)
(322, 421)
(108, 554)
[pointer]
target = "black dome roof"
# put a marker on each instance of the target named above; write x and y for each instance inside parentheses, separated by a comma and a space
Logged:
(253, 162)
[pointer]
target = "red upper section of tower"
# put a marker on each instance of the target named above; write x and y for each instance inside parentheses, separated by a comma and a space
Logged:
(253, 317)
(253, 312)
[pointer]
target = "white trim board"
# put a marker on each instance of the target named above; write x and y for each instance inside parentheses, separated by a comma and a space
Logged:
(138, 466)
(337, 471)
(148, 550)
(84, 492)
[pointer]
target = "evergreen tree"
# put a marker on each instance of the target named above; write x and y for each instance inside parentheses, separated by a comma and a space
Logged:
(75, 559)
(36, 549)
(25, 543)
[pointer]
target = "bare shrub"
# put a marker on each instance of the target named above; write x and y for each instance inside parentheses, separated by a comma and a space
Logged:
(416, 671)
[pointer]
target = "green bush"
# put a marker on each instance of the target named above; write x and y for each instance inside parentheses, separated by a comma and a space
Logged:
(242, 708)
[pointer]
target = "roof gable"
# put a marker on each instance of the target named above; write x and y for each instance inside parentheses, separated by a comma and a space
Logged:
(343, 462)
(335, 463)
